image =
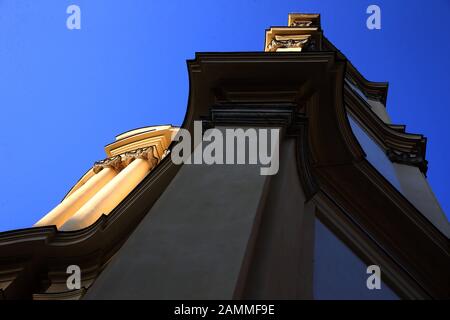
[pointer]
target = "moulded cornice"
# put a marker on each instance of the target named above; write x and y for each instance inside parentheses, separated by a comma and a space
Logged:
(399, 146)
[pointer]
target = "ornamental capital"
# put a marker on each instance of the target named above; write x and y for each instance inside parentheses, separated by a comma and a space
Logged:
(120, 161)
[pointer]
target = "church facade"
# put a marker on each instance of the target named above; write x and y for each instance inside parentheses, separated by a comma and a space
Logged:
(350, 196)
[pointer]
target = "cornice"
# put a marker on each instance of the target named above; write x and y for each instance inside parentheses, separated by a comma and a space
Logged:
(140, 138)
(374, 90)
(64, 295)
(400, 146)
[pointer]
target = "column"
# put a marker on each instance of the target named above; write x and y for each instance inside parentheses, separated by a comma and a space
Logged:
(69, 206)
(140, 164)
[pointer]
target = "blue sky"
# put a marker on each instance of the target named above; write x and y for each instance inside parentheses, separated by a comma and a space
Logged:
(64, 94)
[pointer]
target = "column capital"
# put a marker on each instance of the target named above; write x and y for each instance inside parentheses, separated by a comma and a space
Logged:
(303, 33)
(122, 160)
(112, 162)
